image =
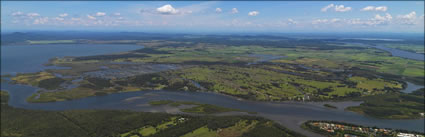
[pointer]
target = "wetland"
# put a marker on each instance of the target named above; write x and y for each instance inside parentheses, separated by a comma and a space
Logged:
(285, 80)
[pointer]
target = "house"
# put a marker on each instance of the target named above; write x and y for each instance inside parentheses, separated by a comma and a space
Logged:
(406, 135)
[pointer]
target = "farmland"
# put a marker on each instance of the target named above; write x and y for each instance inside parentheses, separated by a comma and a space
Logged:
(269, 69)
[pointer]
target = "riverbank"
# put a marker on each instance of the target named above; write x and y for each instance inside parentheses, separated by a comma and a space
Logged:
(100, 123)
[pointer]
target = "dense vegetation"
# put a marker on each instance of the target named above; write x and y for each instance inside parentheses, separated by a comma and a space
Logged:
(419, 92)
(16, 122)
(330, 106)
(52, 83)
(394, 106)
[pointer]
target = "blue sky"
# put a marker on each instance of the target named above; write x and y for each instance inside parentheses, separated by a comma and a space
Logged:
(215, 16)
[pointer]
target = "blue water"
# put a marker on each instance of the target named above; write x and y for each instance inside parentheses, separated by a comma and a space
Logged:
(402, 53)
(30, 58)
(411, 87)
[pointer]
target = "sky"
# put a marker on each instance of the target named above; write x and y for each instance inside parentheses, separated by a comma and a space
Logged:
(214, 16)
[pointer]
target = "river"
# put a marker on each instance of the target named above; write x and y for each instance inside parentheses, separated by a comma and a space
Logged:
(402, 53)
(289, 114)
(393, 51)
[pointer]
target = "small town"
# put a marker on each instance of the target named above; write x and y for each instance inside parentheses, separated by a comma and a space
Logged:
(334, 127)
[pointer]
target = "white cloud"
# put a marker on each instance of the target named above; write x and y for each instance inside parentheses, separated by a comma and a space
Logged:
(291, 21)
(376, 20)
(218, 10)
(91, 17)
(341, 8)
(17, 13)
(167, 10)
(170, 10)
(368, 8)
(33, 14)
(387, 17)
(235, 10)
(409, 19)
(337, 8)
(381, 8)
(324, 9)
(117, 14)
(373, 8)
(320, 21)
(411, 15)
(63, 15)
(42, 20)
(100, 14)
(253, 13)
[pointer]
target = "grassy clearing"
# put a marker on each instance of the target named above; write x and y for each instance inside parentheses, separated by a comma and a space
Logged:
(151, 130)
(203, 131)
(374, 84)
(32, 79)
(43, 80)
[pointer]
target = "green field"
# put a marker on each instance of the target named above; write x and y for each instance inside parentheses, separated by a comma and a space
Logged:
(257, 83)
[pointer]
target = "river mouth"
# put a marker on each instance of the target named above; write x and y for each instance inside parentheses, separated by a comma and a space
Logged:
(290, 114)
